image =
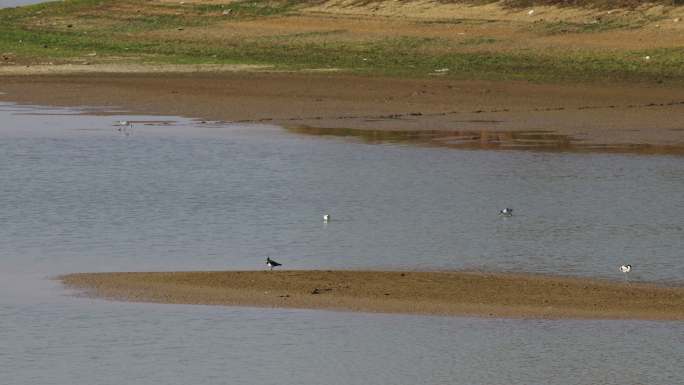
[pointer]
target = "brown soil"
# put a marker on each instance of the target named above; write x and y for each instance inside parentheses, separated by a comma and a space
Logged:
(632, 118)
(439, 293)
(503, 30)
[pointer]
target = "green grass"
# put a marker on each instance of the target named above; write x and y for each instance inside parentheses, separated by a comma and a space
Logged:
(42, 33)
(478, 40)
(97, 25)
(304, 35)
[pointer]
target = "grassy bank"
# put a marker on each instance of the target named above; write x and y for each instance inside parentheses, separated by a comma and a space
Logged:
(128, 31)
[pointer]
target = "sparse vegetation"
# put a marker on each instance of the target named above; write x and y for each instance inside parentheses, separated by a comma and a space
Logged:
(96, 31)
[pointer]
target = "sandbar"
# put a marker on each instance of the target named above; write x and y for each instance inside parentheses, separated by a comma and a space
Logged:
(407, 292)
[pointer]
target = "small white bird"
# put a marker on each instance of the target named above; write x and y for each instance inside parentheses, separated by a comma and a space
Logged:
(326, 218)
(122, 125)
(625, 268)
(271, 263)
(506, 212)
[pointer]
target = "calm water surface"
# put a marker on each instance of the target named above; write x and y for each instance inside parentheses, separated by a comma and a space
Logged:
(78, 195)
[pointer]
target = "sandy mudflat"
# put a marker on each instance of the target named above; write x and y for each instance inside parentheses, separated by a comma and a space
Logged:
(438, 293)
(479, 114)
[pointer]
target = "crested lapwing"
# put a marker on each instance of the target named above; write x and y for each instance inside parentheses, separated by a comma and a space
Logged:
(271, 263)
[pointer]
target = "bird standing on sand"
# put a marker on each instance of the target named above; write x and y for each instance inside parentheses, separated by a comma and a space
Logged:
(271, 263)
(326, 218)
(506, 212)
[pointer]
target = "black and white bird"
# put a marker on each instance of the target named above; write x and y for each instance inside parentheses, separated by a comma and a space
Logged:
(271, 263)
(506, 212)
(326, 218)
(625, 268)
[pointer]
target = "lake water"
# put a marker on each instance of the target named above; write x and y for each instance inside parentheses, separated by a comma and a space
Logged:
(76, 194)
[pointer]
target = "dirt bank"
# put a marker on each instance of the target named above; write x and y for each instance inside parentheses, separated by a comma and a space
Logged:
(439, 293)
(631, 118)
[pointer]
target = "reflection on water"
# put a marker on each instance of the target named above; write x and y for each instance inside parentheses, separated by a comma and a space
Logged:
(177, 194)
(537, 140)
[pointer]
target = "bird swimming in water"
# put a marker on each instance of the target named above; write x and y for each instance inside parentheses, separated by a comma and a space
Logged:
(506, 212)
(271, 263)
(625, 268)
(326, 218)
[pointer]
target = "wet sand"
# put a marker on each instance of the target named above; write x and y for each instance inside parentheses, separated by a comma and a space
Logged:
(433, 293)
(636, 118)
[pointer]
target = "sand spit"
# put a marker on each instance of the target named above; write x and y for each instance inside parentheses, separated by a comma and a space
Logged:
(434, 293)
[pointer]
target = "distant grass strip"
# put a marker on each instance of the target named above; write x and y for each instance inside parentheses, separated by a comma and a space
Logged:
(107, 30)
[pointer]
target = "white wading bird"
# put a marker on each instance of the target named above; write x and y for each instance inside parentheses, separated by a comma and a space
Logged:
(123, 124)
(625, 268)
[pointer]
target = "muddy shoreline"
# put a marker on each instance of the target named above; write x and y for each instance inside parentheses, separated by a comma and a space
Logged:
(408, 292)
(482, 114)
